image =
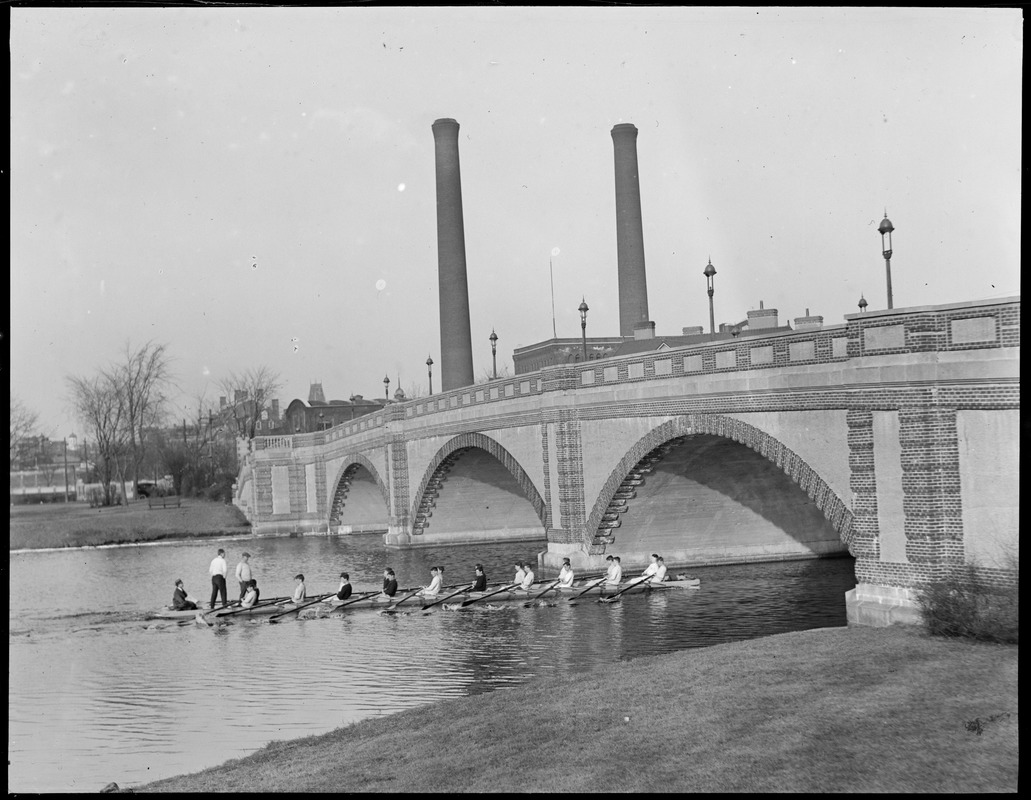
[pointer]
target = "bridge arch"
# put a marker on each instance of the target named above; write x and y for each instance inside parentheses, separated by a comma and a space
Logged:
(801, 473)
(478, 440)
(347, 466)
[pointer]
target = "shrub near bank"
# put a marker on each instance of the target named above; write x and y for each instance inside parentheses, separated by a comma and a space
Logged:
(970, 604)
(78, 525)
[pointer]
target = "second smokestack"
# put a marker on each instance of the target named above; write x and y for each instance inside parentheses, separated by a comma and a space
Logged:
(633, 287)
(456, 345)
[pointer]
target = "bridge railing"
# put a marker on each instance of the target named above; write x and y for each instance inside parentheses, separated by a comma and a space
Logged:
(959, 326)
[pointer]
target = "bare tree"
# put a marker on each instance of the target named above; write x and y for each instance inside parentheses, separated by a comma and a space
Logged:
(23, 426)
(98, 403)
(247, 395)
(141, 380)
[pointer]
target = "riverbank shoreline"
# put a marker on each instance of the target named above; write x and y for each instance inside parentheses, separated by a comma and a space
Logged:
(826, 710)
(61, 526)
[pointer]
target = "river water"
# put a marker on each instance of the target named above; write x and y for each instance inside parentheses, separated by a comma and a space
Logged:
(100, 693)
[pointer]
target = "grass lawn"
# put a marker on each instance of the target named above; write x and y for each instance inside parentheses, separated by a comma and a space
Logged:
(76, 524)
(834, 710)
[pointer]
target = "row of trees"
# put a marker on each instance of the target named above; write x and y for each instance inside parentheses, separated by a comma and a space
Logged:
(126, 411)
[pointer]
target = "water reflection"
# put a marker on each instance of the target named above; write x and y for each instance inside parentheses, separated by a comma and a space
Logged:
(98, 693)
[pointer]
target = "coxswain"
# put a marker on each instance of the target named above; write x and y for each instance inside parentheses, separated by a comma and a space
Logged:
(180, 602)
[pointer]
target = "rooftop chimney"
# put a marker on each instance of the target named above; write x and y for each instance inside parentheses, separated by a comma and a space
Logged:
(633, 288)
(456, 345)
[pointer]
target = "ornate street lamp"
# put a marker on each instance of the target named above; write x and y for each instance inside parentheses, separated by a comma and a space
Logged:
(886, 228)
(494, 351)
(429, 371)
(862, 304)
(386, 387)
(583, 323)
(709, 271)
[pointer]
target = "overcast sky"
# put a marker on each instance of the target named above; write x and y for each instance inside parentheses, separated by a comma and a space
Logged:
(256, 186)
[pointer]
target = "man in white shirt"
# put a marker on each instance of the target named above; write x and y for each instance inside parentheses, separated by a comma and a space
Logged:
(519, 575)
(527, 581)
(660, 572)
(652, 568)
(218, 571)
(565, 575)
(243, 574)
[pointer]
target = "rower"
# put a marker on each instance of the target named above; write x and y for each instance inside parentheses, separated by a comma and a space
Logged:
(565, 575)
(252, 594)
(528, 577)
(389, 586)
(519, 574)
(614, 572)
(345, 588)
(660, 571)
(300, 593)
(481, 580)
(435, 583)
(652, 568)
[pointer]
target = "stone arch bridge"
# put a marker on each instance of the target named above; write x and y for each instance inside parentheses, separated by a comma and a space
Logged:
(892, 437)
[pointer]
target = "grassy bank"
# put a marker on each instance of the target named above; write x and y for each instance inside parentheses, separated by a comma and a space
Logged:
(835, 710)
(77, 525)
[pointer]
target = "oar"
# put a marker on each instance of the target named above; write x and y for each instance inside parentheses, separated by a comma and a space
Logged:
(585, 591)
(531, 601)
(259, 604)
(409, 596)
(362, 596)
(448, 597)
(630, 585)
(489, 594)
(319, 599)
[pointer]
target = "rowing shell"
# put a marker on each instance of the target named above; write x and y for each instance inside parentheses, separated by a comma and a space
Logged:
(526, 594)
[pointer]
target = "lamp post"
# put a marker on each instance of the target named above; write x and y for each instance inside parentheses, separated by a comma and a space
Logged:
(886, 228)
(583, 323)
(862, 304)
(386, 387)
(494, 351)
(429, 371)
(709, 271)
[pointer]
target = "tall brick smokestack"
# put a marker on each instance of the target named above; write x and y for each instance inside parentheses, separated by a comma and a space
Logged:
(456, 345)
(633, 288)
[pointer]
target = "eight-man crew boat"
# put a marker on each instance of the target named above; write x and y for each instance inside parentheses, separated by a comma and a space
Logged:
(588, 588)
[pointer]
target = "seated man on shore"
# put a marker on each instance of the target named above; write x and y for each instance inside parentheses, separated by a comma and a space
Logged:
(180, 602)
(251, 595)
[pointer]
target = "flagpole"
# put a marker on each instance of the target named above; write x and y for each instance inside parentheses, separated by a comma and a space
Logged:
(551, 268)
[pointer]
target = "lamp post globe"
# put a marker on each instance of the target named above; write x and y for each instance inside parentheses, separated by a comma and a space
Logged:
(583, 309)
(386, 386)
(494, 351)
(885, 229)
(429, 371)
(708, 272)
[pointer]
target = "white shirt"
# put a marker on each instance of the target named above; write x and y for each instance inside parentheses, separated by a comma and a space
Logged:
(299, 593)
(651, 569)
(519, 576)
(565, 577)
(250, 598)
(660, 574)
(527, 579)
(617, 574)
(218, 567)
(434, 587)
(243, 572)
